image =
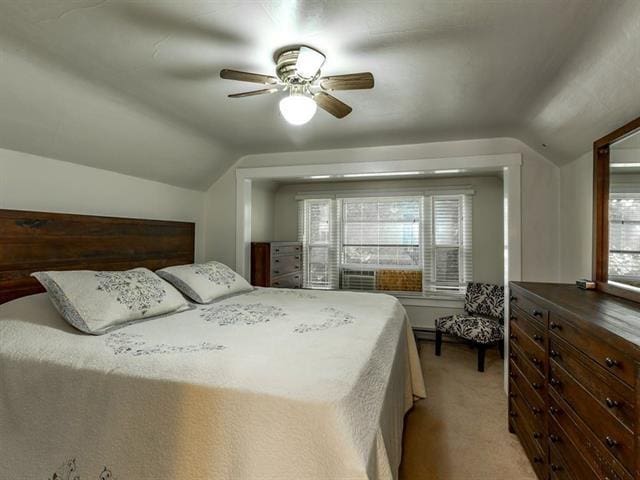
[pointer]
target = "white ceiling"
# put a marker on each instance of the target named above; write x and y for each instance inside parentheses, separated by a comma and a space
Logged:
(134, 87)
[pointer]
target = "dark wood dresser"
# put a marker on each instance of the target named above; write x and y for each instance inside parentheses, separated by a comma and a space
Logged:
(573, 381)
(276, 264)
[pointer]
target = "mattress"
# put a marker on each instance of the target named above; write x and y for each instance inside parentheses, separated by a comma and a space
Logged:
(270, 384)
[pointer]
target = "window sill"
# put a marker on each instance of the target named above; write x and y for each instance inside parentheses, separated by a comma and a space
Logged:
(445, 300)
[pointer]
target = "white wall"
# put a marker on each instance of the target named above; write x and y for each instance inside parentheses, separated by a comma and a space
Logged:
(540, 195)
(29, 182)
(488, 255)
(576, 210)
(263, 197)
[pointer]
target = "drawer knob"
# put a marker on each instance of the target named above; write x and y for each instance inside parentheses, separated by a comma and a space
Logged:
(537, 313)
(513, 414)
(536, 386)
(554, 438)
(297, 267)
(611, 362)
(513, 336)
(512, 317)
(610, 442)
(554, 326)
(537, 459)
(276, 271)
(555, 468)
(554, 411)
(537, 435)
(513, 374)
(512, 355)
(536, 410)
(554, 354)
(512, 395)
(535, 360)
(538, 338)
(277, 250)
(513, 299)
(555, 382)
(611, 403)
(276, 283)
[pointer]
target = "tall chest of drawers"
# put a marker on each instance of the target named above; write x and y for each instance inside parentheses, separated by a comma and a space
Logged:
(574, 369)
(276, 264)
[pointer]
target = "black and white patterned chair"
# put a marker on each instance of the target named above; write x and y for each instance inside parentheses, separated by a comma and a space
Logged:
(482, 323)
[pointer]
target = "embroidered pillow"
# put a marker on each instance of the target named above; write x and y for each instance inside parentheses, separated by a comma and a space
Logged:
(97, 302)
(205, 282)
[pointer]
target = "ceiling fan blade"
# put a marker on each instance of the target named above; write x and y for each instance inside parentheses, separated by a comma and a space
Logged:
(309, 62)
(247, 77)
(253, 92)
(352, 81)
(332, 105)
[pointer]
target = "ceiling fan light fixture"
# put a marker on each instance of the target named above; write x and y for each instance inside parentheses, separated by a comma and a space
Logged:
(297, 108)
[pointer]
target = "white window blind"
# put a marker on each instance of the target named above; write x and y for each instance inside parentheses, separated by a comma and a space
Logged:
(414, 243)
(381, 232)
(448, 263)
(317, 230)
(624, 236)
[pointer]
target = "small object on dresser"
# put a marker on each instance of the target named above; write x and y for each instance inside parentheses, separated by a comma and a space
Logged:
(585, 284)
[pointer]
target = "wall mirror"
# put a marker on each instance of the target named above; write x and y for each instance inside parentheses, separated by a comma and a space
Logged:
(617, 212)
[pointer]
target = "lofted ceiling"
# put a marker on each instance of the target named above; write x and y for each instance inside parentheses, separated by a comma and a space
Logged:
(133, 86)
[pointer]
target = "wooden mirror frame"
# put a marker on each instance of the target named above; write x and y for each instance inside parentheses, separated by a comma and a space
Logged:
(600, 268)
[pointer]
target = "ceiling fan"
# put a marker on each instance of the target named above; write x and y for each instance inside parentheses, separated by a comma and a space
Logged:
(298, 73)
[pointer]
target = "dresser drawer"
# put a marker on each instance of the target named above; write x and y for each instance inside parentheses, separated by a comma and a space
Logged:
(537, 458)
(285, 249)
(532, 416)
(286, 264)
(559, 468)
(530, 307)
(572, 460)
(604, 354)
(609, 431)
(532, 386)
(293, 280)
(531, 350)
(531, 327)
(613, 394)
(593, 452)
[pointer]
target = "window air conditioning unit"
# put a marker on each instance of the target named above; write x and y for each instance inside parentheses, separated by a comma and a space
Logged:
(358, 279)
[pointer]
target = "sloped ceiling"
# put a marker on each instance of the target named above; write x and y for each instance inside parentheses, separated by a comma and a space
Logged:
(134, 87)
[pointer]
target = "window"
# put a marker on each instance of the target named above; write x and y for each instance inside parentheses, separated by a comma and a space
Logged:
(381, 232)
(448, 252)
(624, 237)
(413, 243)
(316, 231)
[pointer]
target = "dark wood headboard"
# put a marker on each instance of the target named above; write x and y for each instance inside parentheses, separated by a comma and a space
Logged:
(37, 241)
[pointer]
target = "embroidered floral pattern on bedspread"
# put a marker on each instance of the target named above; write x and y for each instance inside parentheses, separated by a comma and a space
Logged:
(137, 290)
(132, 344)
(234, 313)
(337, 318)
(216, 273)
(69, 471)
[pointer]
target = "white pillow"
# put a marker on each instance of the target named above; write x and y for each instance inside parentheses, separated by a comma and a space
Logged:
(97, 302)
(205, 282)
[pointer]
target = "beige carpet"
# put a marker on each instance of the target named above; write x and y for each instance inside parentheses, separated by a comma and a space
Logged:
(459, 432)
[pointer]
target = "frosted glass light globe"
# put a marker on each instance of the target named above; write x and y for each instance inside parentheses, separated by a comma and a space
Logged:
(297, 109)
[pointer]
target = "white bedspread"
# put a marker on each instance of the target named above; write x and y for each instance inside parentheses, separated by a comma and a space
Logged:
(272, 384)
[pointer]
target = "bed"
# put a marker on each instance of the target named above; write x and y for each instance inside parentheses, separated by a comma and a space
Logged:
(269, 384)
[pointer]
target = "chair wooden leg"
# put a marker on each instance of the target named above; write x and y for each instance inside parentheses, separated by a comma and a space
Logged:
(501, 348)
(481, 352)
(438, 342)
